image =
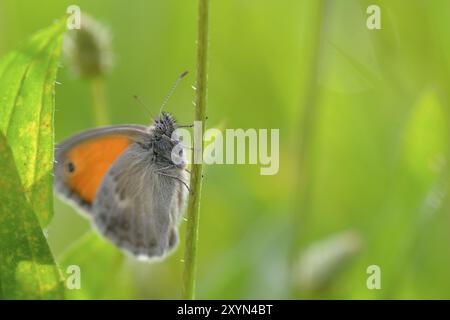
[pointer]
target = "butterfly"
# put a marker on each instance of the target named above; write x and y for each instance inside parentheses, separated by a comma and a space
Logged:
(130, 180)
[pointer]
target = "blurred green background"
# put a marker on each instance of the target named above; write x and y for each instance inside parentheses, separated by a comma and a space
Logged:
(363, 118)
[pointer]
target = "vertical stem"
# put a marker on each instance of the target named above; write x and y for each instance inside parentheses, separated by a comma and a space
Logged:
(99, 101)
(304, 147)
(193, 211)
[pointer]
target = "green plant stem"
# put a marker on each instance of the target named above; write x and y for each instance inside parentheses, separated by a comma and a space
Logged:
(99, 101)
(304, 145)
(193, 211)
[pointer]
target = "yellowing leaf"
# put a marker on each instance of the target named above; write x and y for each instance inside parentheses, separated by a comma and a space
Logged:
(27, 82)
(27, 267)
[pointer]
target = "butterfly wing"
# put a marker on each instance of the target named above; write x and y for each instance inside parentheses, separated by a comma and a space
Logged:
(138, 209)
(82, 161)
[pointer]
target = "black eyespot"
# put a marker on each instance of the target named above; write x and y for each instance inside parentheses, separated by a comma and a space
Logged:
(180, 153)
(70, 167)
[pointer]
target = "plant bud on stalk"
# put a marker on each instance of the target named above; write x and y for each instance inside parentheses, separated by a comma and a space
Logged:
(322, 262)
(88, 49)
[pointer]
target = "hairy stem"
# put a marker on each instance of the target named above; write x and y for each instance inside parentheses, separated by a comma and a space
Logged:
(193, 211)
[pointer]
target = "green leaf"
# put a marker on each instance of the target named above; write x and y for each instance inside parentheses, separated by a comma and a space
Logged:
(27, 84)
(27, 268)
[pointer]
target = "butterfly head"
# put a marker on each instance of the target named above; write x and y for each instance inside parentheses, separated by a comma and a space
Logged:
(166, 149)
(165, 124)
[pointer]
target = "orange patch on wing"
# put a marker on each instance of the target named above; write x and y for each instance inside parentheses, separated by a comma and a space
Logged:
(87, 163)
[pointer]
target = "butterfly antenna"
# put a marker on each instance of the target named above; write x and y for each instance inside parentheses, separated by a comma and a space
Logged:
(180, 77)
(144, 106)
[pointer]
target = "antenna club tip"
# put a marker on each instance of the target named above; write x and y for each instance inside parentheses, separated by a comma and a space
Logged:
(184, 74)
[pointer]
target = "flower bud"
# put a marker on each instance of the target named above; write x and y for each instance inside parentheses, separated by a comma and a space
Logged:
(88, 49)
(323, 261)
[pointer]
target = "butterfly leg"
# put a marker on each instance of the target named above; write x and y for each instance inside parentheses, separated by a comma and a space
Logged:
(185, 126)
(176, 178)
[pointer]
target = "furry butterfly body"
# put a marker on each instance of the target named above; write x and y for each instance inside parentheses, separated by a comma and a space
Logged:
(127, 181)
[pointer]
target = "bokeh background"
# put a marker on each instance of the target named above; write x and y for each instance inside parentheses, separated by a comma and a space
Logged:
(364, 135)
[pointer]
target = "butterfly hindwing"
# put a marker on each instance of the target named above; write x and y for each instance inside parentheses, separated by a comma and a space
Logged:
(136, 208)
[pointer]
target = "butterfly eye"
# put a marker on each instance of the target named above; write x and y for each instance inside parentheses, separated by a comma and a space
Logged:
(70, 167)
(180, 153)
